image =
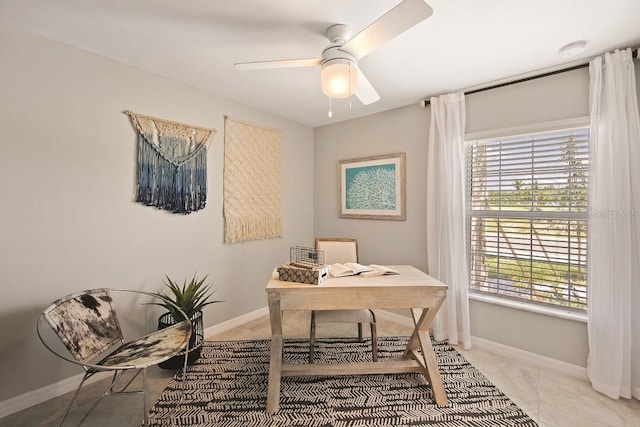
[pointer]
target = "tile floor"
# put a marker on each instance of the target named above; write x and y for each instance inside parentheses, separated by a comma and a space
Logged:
(553, 399)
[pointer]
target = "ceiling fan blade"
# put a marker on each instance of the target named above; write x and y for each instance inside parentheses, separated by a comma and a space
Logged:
(365, 92)
(393, 23)
(284, 63)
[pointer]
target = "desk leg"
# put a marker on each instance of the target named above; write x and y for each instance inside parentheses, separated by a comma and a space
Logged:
(275, 365)
(420, 339)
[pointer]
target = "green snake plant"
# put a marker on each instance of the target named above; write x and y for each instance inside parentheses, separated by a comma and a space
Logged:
(191, 297)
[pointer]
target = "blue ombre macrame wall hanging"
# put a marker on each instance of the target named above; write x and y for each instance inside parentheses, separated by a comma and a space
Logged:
(172, 164)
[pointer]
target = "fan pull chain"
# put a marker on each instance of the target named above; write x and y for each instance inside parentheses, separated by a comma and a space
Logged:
(330, 112)
(349, 85)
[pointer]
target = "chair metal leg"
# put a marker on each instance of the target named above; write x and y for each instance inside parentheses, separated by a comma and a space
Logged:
(182, 384)
(374, 341)
(75, 396)
(117, 375)
(374, 336)
(312, 337)
(116, 378)
(145, 417)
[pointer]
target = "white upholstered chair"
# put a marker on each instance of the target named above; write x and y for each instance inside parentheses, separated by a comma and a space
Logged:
(340, 250)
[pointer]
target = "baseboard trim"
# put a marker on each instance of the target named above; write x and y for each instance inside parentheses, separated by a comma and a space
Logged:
(575, 371)
(236, 321)
(505, 350)
(35, 397)
(32, 398)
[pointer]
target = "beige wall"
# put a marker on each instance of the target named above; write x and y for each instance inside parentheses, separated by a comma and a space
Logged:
(562, 96)
(68, 220)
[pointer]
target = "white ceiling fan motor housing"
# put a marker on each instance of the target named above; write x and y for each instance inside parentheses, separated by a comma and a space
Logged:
(338, 73)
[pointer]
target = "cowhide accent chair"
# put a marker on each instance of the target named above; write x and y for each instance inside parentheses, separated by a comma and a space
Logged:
(340, 250)
(87, 324)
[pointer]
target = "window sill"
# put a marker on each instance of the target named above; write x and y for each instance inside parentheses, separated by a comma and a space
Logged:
(534, 308)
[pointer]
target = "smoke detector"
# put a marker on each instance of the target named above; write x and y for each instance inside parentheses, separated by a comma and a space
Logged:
(573, 49)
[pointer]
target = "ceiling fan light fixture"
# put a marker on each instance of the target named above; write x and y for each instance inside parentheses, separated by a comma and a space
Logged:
(339, 78)
(339, 73)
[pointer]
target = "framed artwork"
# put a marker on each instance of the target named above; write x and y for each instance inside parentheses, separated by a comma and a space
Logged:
(372, 187)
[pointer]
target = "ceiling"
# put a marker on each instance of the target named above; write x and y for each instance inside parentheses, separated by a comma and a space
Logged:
(465, 44)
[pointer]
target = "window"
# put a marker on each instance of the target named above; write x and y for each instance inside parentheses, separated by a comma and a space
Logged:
(527, 216)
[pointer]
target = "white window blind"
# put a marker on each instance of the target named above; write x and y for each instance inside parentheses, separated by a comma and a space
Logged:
(527, 216)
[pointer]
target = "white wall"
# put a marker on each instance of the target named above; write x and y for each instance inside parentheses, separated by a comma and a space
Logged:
(553, 98)
(67, 217)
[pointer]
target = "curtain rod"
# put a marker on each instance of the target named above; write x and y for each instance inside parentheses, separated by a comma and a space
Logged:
(425, 102)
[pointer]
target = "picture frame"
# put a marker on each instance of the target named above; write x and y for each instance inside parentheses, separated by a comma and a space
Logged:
(373, 187)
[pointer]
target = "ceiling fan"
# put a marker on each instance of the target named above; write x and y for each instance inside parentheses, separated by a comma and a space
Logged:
(340, 74)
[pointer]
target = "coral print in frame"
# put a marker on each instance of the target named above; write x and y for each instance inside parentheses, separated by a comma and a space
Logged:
(372, 187)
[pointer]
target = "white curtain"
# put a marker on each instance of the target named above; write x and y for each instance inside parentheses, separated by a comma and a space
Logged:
(446, 251)
(614, 228)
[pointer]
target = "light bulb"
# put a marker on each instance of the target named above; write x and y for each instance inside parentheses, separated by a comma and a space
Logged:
(339, 78)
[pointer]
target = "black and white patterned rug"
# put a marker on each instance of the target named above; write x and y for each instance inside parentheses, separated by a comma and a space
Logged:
(227, 387)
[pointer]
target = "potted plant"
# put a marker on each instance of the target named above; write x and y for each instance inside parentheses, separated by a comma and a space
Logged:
(191, 297)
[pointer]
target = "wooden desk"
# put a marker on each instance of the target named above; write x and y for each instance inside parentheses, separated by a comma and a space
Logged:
(411, 289)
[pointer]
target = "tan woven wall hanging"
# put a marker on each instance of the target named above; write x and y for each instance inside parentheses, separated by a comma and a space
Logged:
(252, 182)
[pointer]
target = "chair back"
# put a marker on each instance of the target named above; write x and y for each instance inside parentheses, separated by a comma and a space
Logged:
(86, 323)
(338, 250)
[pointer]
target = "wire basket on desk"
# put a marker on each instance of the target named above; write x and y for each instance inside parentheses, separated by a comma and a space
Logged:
(304, 257)
(306, 266)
